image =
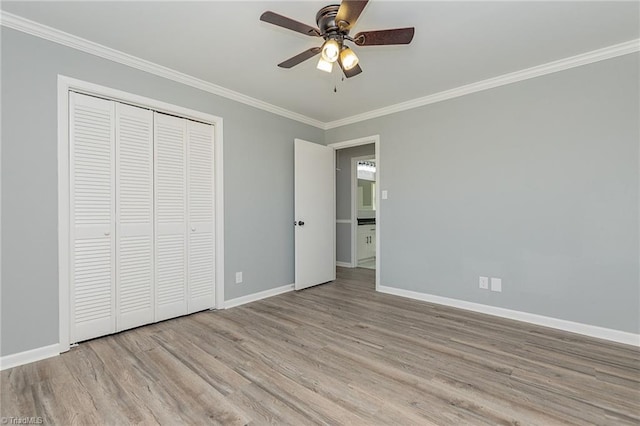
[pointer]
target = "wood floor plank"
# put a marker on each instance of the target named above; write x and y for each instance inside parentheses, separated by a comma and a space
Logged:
(338, 353)
(263, 407)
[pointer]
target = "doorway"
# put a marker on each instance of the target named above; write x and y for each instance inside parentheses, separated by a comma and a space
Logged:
(350, 214)
(363, 199)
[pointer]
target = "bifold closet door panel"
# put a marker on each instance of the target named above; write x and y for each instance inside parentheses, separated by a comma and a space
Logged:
(92, 216)
(201, 216)
(170, 170)
(134, 213)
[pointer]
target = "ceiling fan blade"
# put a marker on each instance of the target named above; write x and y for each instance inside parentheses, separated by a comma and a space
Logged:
(352, 72)
(349, 12)
(301, 57)
(382, 37)
(290, 24)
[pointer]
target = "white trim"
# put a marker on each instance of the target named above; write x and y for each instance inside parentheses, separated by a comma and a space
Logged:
(343, 221)
(26, 357)
(560, 324)
(0, 241)
(355, 142)
(64, 216)
(614, 51)
(344, 264)
(24, 25)
(65, 84)
(132, 99)
(257, 296)
(379, 199)
(374, 139)
(219, 212)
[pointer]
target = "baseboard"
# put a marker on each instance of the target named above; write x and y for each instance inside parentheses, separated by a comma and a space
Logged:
(257, 296)
(26, 357)
(560, 324)
(344, 264)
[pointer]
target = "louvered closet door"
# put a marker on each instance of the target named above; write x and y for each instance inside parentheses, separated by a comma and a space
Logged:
(134, 212)
(201, 219)
(170, 216)
(92, 210)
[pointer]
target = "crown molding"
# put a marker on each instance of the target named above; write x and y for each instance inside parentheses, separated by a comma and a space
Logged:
(614, 51)
(24, 25)
(19, 23)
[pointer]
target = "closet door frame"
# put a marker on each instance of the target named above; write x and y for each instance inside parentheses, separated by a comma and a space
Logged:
(67, 85)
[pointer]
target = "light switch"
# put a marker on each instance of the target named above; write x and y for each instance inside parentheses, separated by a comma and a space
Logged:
(385, 194)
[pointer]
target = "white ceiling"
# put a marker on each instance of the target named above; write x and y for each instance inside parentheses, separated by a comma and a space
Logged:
(456, 43)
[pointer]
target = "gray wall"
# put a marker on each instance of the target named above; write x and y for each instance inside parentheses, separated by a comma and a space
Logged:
(535, 182)
(258, 156)
(343, 242)
(343, 197)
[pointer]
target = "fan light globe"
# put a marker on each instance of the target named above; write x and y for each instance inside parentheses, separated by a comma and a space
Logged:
(348, 58)
(325, 66)
(330, 50)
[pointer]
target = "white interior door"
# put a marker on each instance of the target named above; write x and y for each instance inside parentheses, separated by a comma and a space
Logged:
(315, 214)
(200, 244)
(171, 216)
(134, 212)
(92, 218)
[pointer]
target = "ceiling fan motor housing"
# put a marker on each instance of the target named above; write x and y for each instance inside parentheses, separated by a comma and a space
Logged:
(326, 20)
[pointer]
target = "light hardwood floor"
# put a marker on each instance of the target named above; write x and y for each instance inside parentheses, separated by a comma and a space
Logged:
(339, 353)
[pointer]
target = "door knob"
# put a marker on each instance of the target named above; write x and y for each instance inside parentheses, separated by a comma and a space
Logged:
(107, 233)
(193, 228)
(301, 223)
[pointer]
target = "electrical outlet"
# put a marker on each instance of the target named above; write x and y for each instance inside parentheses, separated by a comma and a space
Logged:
(238, 277)
(484, 283)
(496, 284)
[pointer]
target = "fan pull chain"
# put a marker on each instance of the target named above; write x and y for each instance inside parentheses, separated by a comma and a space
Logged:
(335, 83)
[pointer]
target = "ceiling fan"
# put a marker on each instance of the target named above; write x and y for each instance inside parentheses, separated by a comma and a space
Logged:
(334, 23)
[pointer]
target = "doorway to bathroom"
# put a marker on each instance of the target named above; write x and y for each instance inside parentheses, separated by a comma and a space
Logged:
(356, 206)
(363, 190)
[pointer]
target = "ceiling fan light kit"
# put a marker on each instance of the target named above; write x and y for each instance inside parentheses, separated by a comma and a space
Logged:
(330, 50)
(334, 23)
(325, 66)
(348, 58)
